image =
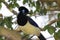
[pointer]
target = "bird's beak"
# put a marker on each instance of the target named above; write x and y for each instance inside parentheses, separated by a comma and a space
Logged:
(28, 14)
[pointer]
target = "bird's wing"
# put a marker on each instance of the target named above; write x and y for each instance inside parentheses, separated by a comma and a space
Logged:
(31, 21)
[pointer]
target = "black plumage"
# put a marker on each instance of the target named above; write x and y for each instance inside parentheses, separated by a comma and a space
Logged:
(23, 10)
(22, 20)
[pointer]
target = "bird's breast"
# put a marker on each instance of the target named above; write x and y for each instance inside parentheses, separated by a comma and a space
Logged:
(30, 29)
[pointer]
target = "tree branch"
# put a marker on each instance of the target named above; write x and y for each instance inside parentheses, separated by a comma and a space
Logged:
(13, 11)
(10, 34)
(53, 21)
(54, 8)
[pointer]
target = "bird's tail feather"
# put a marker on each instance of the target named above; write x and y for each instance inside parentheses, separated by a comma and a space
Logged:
(41, 37)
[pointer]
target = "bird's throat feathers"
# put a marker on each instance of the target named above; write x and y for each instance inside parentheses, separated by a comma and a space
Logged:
(22, 19)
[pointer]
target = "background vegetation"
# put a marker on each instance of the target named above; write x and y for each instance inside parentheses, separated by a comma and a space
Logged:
(42, 7)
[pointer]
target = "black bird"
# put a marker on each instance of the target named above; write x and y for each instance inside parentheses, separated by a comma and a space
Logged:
(28, 25)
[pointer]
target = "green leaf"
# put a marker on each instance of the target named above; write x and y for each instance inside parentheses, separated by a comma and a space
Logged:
(30, 1)
(58, 15)
(0, 5)
(38, 6)
(2, 23)
(2, 1)
(50, 29)
(16, 5)
(43, 11)
(1, 20)
(57, 35)
(1, 38)
(49, 3)
(12, 1)
(8, 22)
(33, 3)
(25, 1)
(31, 12)
(11, 5)
(58, 22)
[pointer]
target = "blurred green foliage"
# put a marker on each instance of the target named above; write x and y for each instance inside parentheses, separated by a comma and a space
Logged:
(40, 9)
(58, 23)
(8, 22)
(57, 35)
(50, 29)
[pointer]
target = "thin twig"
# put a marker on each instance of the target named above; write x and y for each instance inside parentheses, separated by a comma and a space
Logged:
(13, 11)
(53, 21)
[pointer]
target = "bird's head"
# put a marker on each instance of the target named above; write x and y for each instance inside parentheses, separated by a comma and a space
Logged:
(22, 17)
(23, 10)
